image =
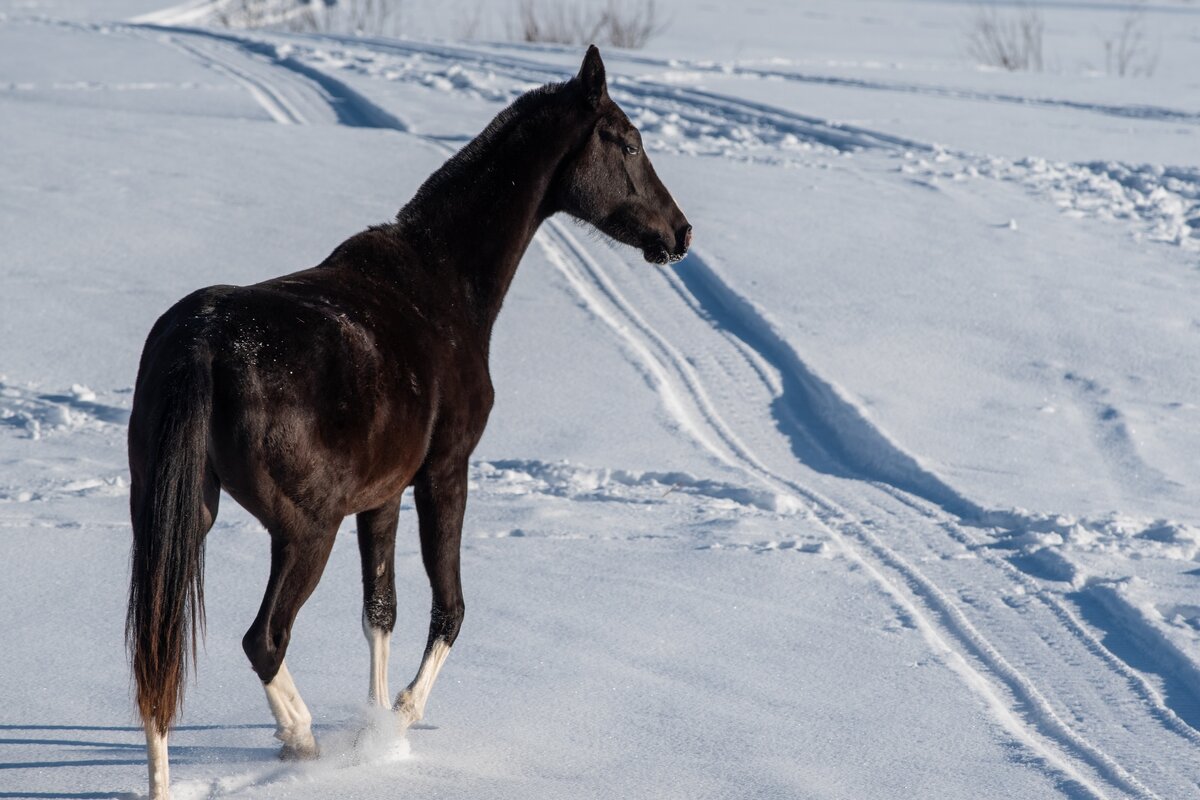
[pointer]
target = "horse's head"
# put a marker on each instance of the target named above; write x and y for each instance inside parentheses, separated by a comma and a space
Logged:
(608, 180)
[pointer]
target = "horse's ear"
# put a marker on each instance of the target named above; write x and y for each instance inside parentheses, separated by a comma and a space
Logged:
(591, 77)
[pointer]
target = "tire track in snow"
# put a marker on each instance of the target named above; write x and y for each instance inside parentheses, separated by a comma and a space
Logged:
(322, 93)
(669, 367)
(277, 106)
(860, 544)
(741, 318)
(1156, 648)
(1071, 622)
(669, 373)
(1170, 660)
(808, 404)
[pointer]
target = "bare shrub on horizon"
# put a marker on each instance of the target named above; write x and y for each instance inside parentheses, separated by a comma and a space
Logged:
(627, 24)
(364, 17)
(1011, 41)
(620, 23)
(241, 14)
(632, 25)
(554, 23)
(470, 23)
(1128, 52)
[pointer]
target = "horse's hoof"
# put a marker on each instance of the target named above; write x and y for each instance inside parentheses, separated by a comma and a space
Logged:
(407, 714)
(299, 752)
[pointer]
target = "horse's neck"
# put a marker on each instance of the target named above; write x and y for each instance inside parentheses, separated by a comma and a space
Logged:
(478, 221)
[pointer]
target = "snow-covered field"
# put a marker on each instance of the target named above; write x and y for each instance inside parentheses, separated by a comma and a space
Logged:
(888, 490)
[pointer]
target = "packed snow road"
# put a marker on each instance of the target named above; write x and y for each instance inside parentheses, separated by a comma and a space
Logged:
(714, 549)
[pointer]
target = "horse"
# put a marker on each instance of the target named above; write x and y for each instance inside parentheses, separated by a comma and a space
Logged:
(328, 392)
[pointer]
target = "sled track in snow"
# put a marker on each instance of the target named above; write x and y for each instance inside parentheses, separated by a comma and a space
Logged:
(833, 430)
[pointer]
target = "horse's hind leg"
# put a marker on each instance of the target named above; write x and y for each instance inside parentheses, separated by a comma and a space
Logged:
(377, 546)
(298, 556)
(441, 496)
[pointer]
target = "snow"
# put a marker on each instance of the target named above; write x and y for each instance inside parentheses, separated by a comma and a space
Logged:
(886, 491)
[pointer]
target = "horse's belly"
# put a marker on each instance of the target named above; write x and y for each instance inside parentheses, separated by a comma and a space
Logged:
(328, 462)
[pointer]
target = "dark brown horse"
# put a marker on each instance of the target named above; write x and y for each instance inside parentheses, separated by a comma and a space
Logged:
(328, 392)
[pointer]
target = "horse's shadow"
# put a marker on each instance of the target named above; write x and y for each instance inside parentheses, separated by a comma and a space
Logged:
(107, 753)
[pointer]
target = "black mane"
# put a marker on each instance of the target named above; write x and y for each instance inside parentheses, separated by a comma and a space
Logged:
(530, 106)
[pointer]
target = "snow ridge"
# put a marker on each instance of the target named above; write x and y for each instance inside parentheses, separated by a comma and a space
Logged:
(571, 481)
(38, 414)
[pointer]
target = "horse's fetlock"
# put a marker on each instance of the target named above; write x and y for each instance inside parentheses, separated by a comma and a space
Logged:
(448, 620)
(380, 612)
(264, 659)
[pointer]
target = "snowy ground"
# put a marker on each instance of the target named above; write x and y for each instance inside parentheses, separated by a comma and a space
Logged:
(886, 491)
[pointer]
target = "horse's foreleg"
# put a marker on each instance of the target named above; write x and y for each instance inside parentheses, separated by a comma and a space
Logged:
(293, 721)
(377, 546)
(441, 496)
(297, 560)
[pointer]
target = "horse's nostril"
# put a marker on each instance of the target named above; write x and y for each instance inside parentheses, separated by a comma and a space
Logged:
(683, 238)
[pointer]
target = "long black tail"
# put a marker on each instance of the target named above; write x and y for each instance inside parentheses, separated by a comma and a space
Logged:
(170, 421)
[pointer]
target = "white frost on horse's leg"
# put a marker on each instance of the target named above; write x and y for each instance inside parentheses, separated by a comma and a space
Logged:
(410, 704)
(293, 722)
(156, 758)
(380, 642)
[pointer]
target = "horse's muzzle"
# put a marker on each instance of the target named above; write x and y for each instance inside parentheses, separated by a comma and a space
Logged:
(660, 250)
(683, 240)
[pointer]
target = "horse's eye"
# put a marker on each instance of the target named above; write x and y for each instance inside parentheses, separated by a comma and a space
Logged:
(631, 150)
